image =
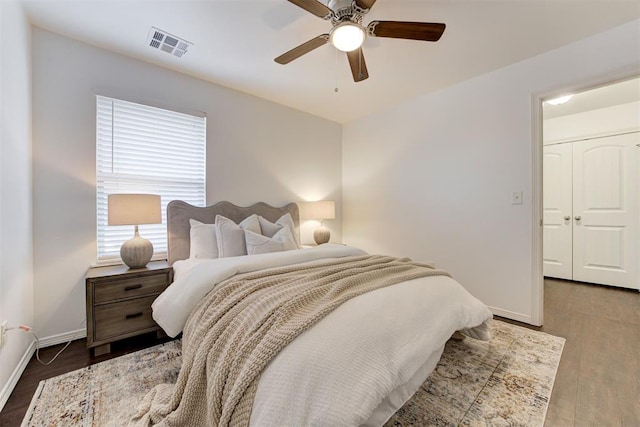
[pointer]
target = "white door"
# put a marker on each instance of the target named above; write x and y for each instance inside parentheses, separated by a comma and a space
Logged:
(606, 237)
(557, 215)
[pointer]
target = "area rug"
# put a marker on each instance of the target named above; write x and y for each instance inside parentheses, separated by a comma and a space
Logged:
(504, 382)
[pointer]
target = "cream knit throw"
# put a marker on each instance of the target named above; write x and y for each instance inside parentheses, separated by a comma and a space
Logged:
(245, 321)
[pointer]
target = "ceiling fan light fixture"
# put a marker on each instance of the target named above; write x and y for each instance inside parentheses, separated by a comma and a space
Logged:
(347, 36)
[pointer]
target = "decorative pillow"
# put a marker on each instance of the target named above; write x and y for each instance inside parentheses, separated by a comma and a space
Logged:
(259, 244)
(269, 229)
(230, 236)
(203, 243)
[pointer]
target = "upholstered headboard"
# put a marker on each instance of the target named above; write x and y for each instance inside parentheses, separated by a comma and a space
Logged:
(179, 213)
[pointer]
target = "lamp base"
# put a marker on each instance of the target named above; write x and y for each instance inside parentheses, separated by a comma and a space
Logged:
(321, 235)
(136, 252)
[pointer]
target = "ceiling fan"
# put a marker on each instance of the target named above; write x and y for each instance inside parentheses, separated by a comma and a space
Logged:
(348, 33)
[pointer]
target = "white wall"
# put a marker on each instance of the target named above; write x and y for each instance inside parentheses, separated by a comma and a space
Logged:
(256, 151)
(612, 120)
(16, 286)
(432, 178)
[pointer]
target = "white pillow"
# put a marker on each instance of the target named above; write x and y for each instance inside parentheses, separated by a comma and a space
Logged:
(230, 236)
(203, 243)
(259, 244)
(269, 229)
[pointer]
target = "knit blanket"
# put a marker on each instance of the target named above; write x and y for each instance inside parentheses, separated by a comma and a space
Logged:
(245, 321)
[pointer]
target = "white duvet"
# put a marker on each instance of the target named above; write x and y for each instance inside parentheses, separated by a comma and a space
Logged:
(356, 366)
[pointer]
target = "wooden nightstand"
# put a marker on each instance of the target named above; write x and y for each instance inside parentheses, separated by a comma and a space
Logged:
(119, 302)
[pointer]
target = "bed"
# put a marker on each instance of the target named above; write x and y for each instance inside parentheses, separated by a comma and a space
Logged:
(357, 364)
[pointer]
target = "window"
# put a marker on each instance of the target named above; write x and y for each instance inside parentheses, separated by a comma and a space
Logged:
(142, 149)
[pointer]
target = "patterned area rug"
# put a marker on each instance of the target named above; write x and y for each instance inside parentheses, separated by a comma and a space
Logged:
(504, 382)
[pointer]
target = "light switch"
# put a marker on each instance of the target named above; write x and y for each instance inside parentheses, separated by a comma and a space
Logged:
(516, 198)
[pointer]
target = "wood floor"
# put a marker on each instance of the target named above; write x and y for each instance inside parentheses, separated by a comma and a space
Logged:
(598, 380)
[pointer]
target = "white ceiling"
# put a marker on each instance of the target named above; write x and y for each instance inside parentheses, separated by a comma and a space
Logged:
(235, 41)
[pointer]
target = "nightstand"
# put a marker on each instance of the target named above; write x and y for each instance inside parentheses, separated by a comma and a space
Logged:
(119, 302)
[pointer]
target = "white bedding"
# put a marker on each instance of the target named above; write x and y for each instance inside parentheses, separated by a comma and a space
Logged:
(356, 366)
(194, 278)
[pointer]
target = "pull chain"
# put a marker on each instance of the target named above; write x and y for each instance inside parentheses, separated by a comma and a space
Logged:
(336, 88)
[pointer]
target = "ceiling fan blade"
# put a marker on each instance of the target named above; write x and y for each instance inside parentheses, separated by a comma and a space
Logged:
(305, 47)
(358, 65)
(313, 6)
(365, 4)
(427, 31)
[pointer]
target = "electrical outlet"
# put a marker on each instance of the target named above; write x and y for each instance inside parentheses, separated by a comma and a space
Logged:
(3, 333)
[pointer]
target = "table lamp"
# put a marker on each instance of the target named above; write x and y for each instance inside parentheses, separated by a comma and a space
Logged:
(134, 209)
(322, 209)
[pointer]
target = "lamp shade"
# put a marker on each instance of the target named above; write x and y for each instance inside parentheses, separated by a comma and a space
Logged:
(134, 209)
(323, 209)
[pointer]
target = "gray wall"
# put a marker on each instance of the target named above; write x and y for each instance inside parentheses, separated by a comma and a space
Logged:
(256, 151)
(432, 178)
(16, 284)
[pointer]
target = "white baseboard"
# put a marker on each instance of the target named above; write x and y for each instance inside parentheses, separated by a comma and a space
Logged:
(16, 374)
(24, 361)
(525, 318)
(63, 338)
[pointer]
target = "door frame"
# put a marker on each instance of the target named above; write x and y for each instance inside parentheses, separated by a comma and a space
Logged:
(537, 276)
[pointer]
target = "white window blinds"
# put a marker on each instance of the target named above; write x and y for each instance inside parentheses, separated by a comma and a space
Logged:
(142, 149)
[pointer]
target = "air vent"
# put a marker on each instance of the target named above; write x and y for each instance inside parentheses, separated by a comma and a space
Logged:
(162, 40)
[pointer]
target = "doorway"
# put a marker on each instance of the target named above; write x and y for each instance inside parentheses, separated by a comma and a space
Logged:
(591, 186)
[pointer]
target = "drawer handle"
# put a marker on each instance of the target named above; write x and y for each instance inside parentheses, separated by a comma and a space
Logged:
(133, 316)
(131, 288)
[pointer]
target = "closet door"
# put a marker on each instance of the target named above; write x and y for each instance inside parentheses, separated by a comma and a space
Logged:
(557, 215)
(606, 220)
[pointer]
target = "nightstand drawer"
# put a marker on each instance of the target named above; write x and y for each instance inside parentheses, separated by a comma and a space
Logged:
(119, 302)
(129, 287)
(123, 317)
